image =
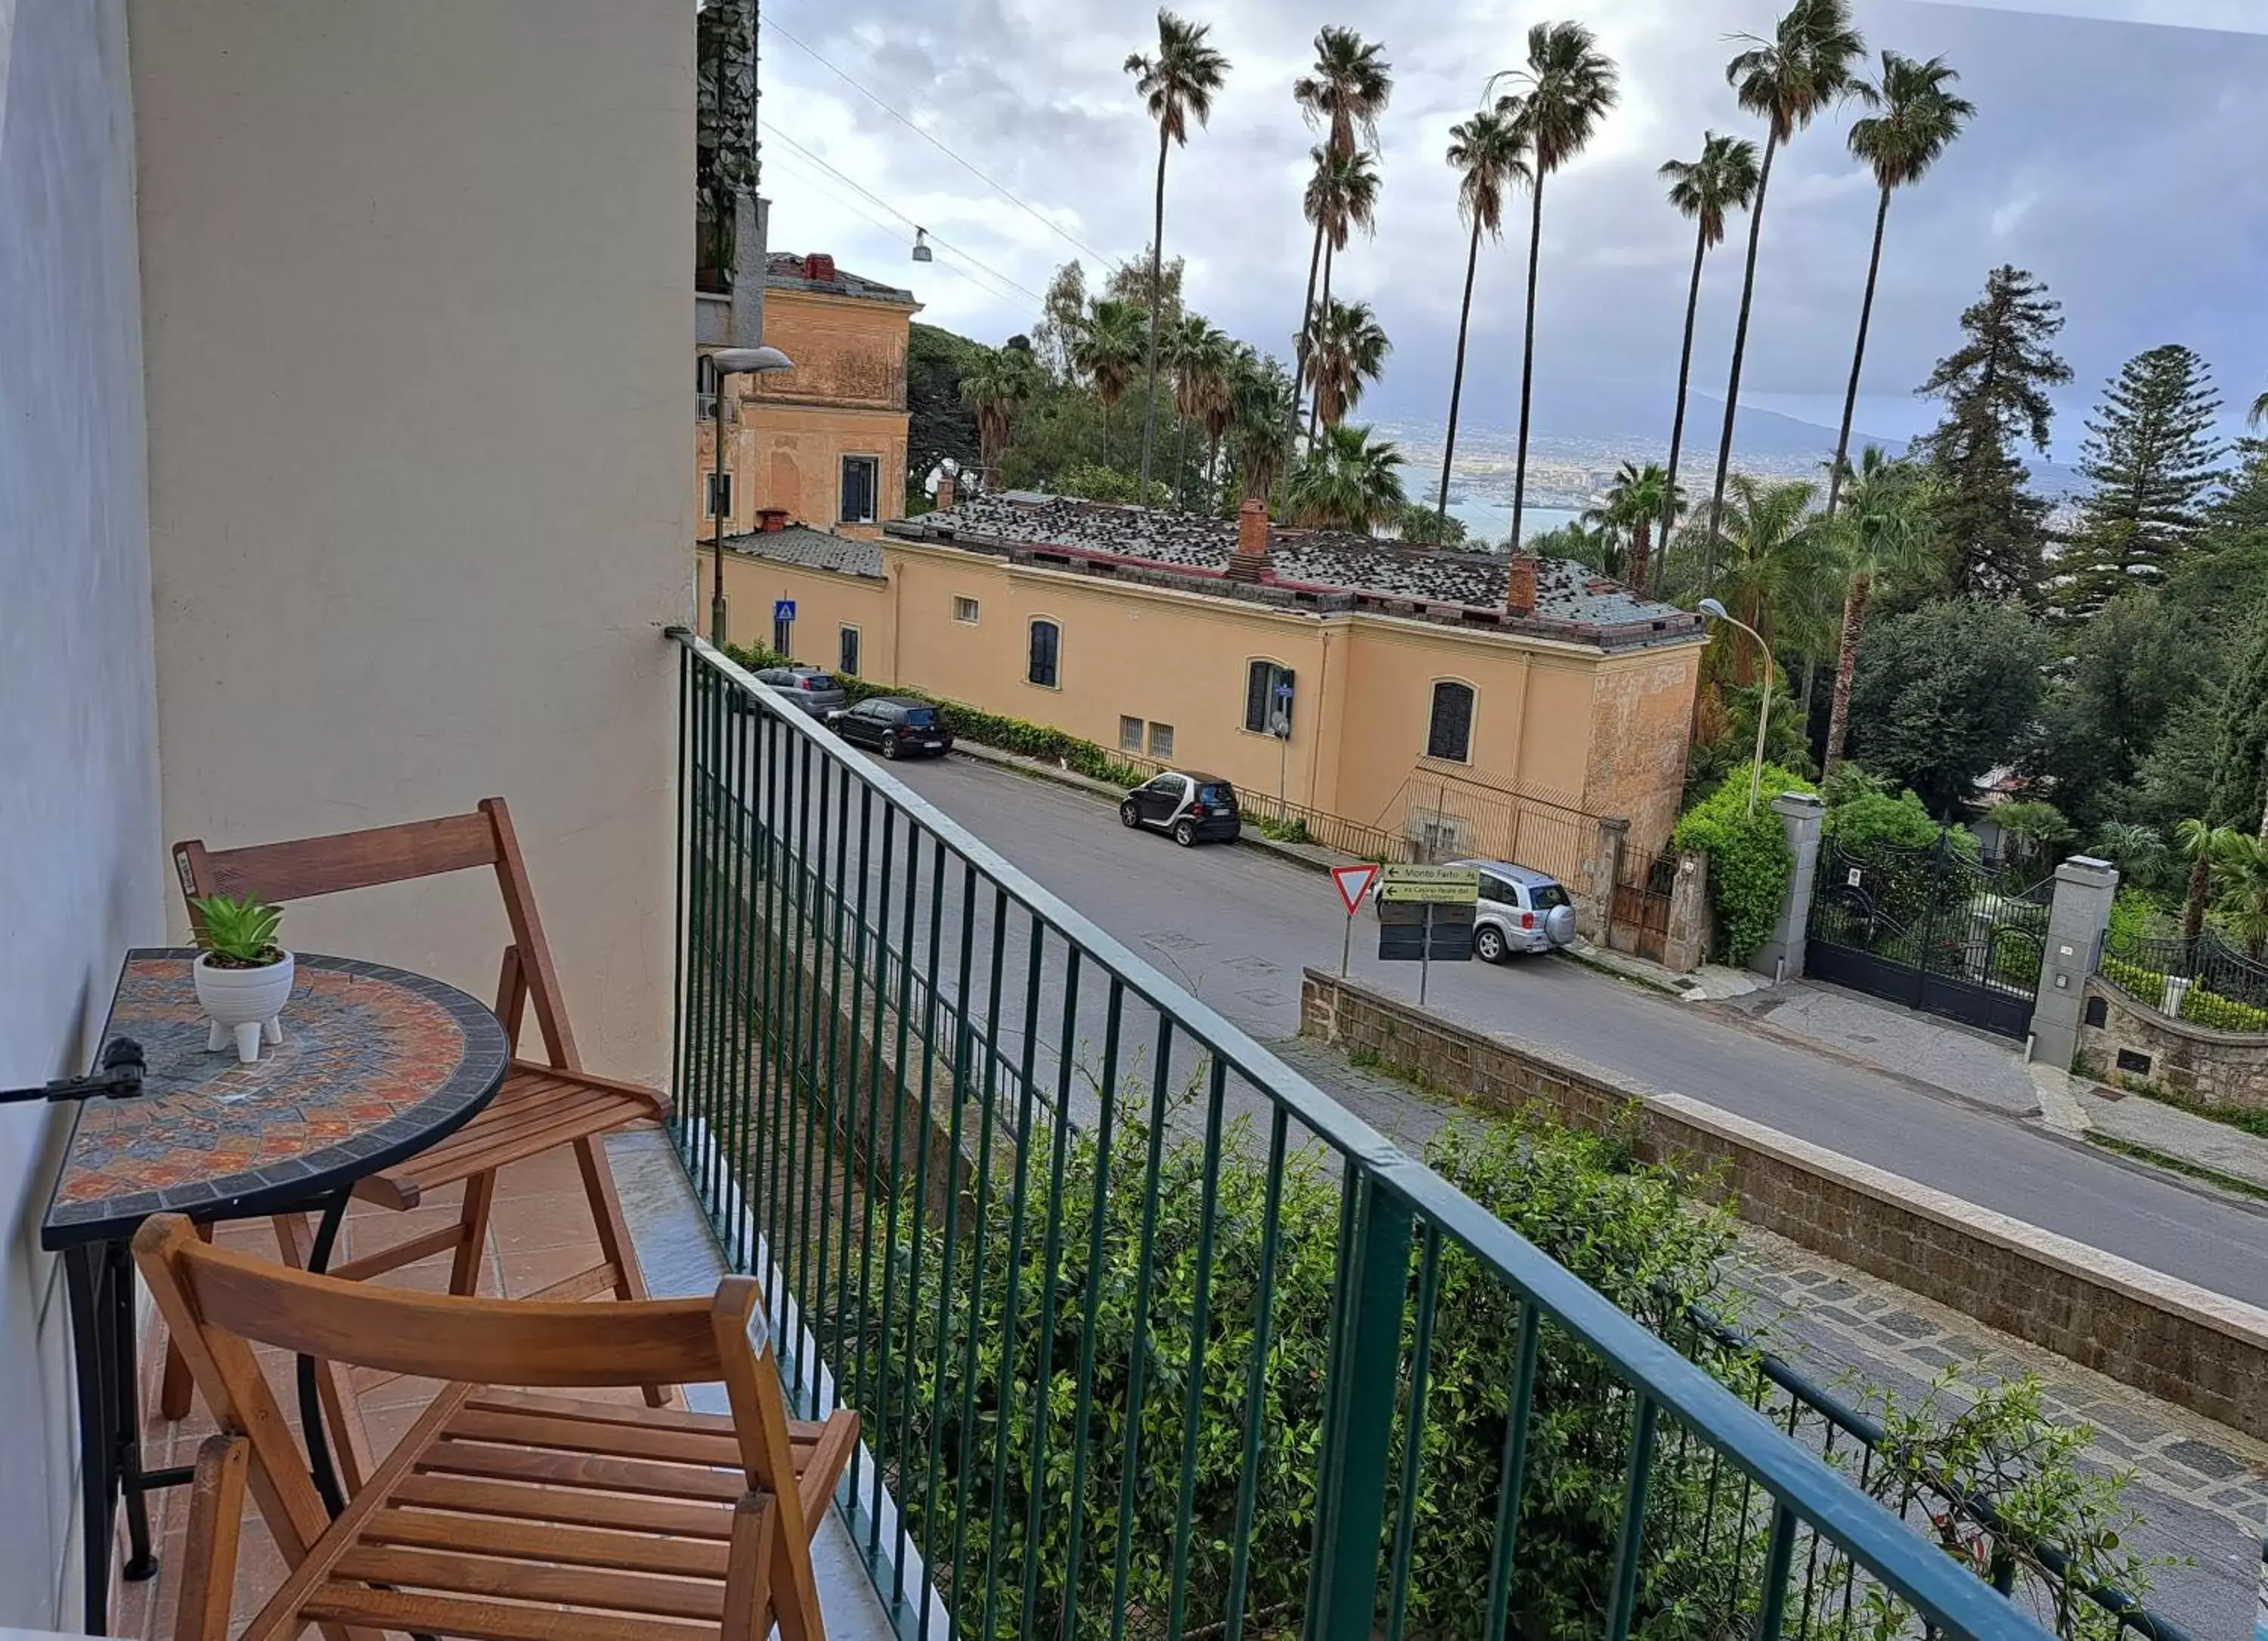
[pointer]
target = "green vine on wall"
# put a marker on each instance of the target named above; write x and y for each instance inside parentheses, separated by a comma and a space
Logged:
(1750, 862)
(725, 139)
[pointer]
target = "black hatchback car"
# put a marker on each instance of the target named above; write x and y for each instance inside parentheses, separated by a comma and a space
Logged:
(1187, 807)
(894, 727)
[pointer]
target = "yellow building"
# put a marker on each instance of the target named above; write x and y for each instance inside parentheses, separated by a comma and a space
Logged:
(1428, 692)
(824, 443)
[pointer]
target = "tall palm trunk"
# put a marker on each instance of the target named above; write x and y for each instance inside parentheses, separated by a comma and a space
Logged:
(1527, 356)
(1150, 393)
(1180, 458)
(1299, 364)
(1212, 470)
(1740, 352)
(1641, 553)
(1857, 359)
(2200, 891)
(1677, 422)
(1846, 665)
(1316, 399)
(1457, 378)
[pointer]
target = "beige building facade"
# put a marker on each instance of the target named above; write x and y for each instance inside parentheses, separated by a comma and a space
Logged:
(824, 443)
(1403, 714)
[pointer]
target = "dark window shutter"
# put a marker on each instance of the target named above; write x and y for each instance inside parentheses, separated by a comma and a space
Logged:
(1450, 734)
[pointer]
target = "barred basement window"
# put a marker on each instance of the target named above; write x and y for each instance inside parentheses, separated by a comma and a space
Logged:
(1130, 734)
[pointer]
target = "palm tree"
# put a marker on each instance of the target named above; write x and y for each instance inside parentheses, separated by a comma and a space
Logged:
(1345, 91)
(993, 388)
(1888, 527)
(2135, 849)
(1723, 179)
(2243, 870)
(1489, 154)
(1632, 505)
(1567, 85)
(1347, 192)
(1178, 82)
(1259, 428)
(1916, 121)
(1809, 63)
(1778, 559)
(1196, 350)
(2202, 845)
(1346, 353)
(2259, 415)
(1108, 349)
(1346, 482)
(1218, 410)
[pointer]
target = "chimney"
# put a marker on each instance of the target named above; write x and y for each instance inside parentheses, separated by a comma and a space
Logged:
(1520, 584)
(819, 268)
(770, 520)
(946, 488)
(1250, 561)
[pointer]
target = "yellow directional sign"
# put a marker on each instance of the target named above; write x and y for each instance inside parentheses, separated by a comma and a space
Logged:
(1442, 885)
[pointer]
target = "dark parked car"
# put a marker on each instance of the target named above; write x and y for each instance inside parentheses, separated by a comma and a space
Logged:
(1188, 809)
(813, 691)
(894, 727)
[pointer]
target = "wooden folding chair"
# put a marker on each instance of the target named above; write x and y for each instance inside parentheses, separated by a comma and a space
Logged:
(508, 1515)
(539, 1107)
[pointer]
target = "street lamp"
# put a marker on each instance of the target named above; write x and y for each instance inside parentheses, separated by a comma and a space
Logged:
(1715, 610)
(729, 362)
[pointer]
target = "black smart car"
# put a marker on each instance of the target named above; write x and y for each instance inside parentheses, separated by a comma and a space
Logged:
(894, 727)
(1188, 809)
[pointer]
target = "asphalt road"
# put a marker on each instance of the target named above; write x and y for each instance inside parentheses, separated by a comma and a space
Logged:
(1235, 927)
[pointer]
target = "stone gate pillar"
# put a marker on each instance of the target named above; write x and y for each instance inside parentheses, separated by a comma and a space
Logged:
(1800, 816)
(2077, 920)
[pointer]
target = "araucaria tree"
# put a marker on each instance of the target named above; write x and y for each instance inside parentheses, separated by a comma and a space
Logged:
(1566, 86)
(1723, 179)
(1178, 82)
(1489, 153)
(2152, 457)
(1916, 119)
(1806, 66)
(1995, 391)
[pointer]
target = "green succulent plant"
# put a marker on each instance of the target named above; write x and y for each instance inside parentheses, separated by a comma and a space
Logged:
(240, 933)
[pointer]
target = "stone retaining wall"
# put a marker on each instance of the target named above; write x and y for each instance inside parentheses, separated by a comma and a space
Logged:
(2137, 1043)
(2174, 1340)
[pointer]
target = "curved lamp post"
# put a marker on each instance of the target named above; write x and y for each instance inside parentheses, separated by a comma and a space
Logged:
(1715, 610)
(729, 362)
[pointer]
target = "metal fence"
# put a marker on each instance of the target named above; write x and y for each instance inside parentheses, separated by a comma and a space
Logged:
(2205, 980)
(1147, 1334)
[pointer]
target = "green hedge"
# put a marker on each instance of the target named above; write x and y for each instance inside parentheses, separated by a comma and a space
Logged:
(1750, 862)
(972, 723)
(2199, 1007)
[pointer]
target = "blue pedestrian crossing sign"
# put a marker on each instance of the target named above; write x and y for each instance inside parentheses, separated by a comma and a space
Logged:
(783, 609)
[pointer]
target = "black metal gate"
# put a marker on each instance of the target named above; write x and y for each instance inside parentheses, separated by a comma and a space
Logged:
(1940, 929)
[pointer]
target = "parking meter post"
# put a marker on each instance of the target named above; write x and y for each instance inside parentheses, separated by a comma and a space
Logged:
(1426, 963)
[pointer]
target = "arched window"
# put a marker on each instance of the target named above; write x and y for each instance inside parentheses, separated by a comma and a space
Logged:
(1267, 692)
(1449, 733)
(1044, 668)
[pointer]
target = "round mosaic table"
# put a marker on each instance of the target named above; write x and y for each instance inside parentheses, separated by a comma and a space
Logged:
(376, 1065)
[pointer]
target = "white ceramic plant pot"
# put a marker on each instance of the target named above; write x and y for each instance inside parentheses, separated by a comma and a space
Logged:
(244, 1004)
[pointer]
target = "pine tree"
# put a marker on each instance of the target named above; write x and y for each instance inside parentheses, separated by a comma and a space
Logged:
(2151, 457)
(1995, 391)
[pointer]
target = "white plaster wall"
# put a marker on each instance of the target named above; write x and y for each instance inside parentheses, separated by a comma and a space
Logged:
(80, 862)
(416, 282)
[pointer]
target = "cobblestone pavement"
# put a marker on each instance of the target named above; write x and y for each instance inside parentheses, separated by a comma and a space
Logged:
(2201, 1487)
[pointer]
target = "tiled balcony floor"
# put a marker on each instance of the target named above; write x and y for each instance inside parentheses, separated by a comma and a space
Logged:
(539, 1231)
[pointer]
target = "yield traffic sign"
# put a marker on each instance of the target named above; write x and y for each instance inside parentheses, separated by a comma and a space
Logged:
(1354, 882)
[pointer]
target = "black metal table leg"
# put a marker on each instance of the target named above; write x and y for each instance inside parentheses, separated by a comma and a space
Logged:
(91, 1340)
(126, 1405)
(310, 1401)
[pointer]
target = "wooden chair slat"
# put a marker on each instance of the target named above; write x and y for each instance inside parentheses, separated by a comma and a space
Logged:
(553, 1432)
(479, 1148)
(572, 1506)
(490, 1620)
(607, 1475)
(610, 1412)
(303, 868)
(572, 1546)
(447, 1572)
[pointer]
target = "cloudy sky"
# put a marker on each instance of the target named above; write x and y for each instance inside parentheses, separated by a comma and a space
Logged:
(2124, 161)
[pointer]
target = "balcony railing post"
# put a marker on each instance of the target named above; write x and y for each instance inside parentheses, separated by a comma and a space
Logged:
(1362, 1400)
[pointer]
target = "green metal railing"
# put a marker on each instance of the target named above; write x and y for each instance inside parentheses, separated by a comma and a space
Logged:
(1147, 1336)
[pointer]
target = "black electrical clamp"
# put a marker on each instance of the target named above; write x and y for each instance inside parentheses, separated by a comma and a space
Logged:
(118, 1077)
